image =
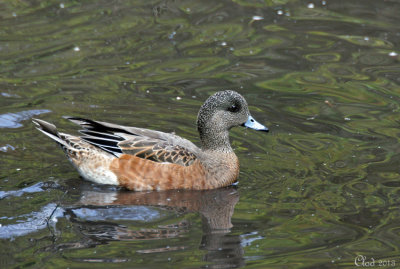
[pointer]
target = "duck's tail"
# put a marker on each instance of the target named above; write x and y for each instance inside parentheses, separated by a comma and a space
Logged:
(51, 131)
(91, 162)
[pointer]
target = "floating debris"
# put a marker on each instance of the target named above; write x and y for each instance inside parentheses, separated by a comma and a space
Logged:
(328, 103)
(172, 35)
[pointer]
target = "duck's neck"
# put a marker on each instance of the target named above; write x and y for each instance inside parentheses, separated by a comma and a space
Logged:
(215, 141)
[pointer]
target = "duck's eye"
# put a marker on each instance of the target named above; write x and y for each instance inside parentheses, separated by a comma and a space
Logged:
(233, 108)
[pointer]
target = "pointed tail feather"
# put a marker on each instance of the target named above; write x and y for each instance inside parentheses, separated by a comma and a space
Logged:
(51, 131)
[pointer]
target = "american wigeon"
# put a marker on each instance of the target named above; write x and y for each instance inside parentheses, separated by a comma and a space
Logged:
(142, 159)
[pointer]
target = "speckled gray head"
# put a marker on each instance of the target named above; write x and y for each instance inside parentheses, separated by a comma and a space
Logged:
(219, 113)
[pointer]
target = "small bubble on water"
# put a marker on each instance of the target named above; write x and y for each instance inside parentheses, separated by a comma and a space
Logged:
(178, 98)
(257, 18)
(347, 119)
(62, 5)
(279, 12)
(366, 38)
(393, 53)
(323, 3)
(223, 43)
(77, 49)
(310, 5)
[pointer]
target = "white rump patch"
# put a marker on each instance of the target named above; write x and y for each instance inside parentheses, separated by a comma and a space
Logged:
(95, 167)
(99, 176)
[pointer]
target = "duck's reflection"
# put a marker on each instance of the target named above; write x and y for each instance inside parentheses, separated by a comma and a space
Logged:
(96, 208)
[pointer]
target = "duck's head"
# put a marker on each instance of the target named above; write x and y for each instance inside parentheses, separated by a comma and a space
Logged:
(219, 113)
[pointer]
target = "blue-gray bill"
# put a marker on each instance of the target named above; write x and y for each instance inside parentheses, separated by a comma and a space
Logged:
(253, 124)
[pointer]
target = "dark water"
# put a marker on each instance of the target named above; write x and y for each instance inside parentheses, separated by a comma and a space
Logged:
(321, 190)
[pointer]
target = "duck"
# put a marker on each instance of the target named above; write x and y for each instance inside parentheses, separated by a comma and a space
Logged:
(141, 159)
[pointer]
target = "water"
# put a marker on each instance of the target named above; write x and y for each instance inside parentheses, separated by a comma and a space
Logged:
(321, 190)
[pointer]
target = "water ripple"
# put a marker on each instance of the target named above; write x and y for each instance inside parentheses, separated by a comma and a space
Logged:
(32, 222)
(12, 120)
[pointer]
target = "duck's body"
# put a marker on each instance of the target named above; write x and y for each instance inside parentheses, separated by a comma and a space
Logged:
(141, 159)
